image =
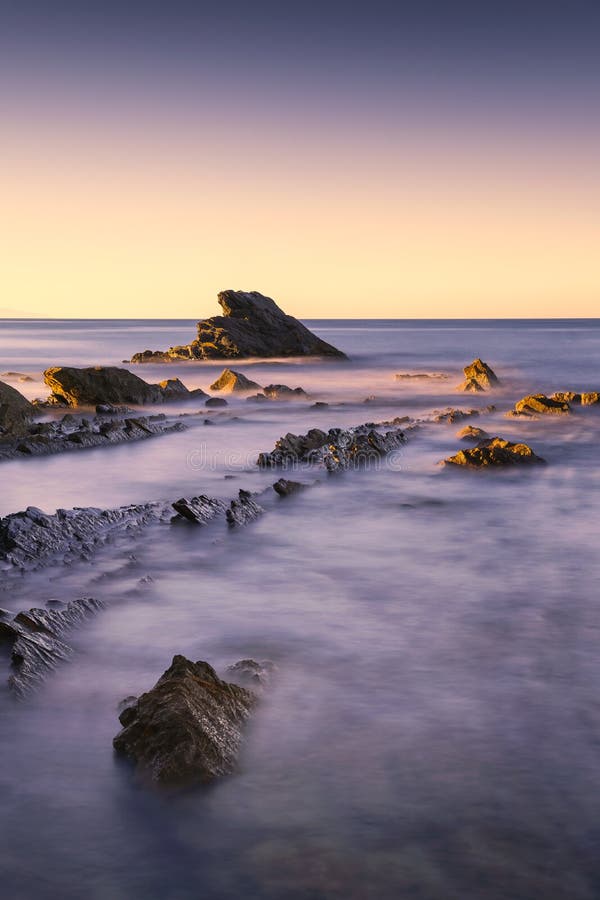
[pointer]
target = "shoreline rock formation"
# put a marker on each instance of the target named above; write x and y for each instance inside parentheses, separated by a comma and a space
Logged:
(478, 377)
(111, 385)
(535, 405)
(188, 729)
(336, 449)
(15, 410)
(494, 452)
(251, 325)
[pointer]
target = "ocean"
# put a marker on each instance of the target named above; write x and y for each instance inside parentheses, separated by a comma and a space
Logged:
(433, 727)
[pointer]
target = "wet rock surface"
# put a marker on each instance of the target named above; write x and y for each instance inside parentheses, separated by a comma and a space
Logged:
(251, 325)
(15, 409)
(199, 510)
(110, 385)
(338, 448)
(233, 382)
(243, 510)
(188, 729)
(540, 405)
(36, 641)
(494, 452)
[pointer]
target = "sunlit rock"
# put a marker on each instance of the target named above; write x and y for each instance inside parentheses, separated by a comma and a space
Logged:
(538, 404)
(494, 452)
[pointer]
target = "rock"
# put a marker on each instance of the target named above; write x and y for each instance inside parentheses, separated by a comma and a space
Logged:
(338, 448)
(420, 376)
(199, 510)
(590, 398)
(243, 510)
(252, 325)
(284, 488)
(471, 433)
(15, 410)
(452, 416)
(538, 404)
(283, 392)
(107, 409)
(494, 452)
(257, 398)
(252, 674)
(471, 386)
(188, 728)
(36, 640)
(216, 401)
(32, 538)
(111, 385)
(231, 382)
(584, 399)
(480, 373)
(320, 404)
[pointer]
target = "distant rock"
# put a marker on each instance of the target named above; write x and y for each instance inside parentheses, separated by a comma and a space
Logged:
(15, 410)
(494, 452)
(216, 401)
(452, 416)
(37, 641)
(252, 325)
(320, 404)
(588, 398)
(234, 382)
(199, 510)
(478, 377)
(250, 673)
(538, 404)
(188, 728)
(471, 433)
(285, 488)
(257, 398)
(420, 376)
(243, 510)
(283, 392)
(338, 448)
(110, 385)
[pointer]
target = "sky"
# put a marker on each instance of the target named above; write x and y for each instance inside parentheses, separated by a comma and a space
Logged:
(349, 160)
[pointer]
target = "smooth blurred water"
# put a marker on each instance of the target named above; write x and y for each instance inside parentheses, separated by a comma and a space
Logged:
(434, 727)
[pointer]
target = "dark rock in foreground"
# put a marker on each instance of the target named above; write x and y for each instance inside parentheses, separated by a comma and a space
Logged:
(494, 452)
(252, 325)
(111, 385)
(199, 510)
(188, 728)
(15, 409)
(243, 510)
(538, 404)
(32, 538)
(478, 377)
(36, 641)
(338, 448)
(233, 382)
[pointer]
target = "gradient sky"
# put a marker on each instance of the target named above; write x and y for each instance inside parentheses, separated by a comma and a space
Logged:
(347, 160)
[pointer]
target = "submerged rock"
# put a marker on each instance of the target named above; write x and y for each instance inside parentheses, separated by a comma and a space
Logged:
(479, 377)
(199, 510)
(538, 404)
(216, 401)
(338, 448)
(233, 382)
(471, 433)
(15, 410)
(243, 510)
(36, 641)
(420, 376)
(285, 488)
(112, 385)
(452, 416)
(188, 728)
(494, 452)
(252, 674)
(283, 392)
(252, 325)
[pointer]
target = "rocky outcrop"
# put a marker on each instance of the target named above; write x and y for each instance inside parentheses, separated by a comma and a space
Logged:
(338, 448)
(109, 384)
(234, 382)
(494, 452)
(36, 640)
(15, 410)
(420, 376)
(587, 398)
(188, 729)
(452, 416)
(478, 377)
(471, 433)
(79, 433)
(215, 401)
(539, 405)
(32, 538)
(285, 488)
(243, 510)
(199, 510)
(283, 392)
(251, 325)
(252, 674)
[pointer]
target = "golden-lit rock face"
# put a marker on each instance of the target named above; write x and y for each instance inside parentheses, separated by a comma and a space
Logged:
(494, 452)
(478, 377)
(587, 398)
(234, 382)
(539, 404)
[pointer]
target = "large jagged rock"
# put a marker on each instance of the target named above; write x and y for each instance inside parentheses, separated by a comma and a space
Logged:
(252, 325)
(110, 384)
(478, 377)
(32, 538)
(338, 448)
(494, 452)
(15, 409)
(538, 404)
(188, 728)
(231, 382)
(79, 433)
(243, 510)
(199, 510)
(37, 641)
